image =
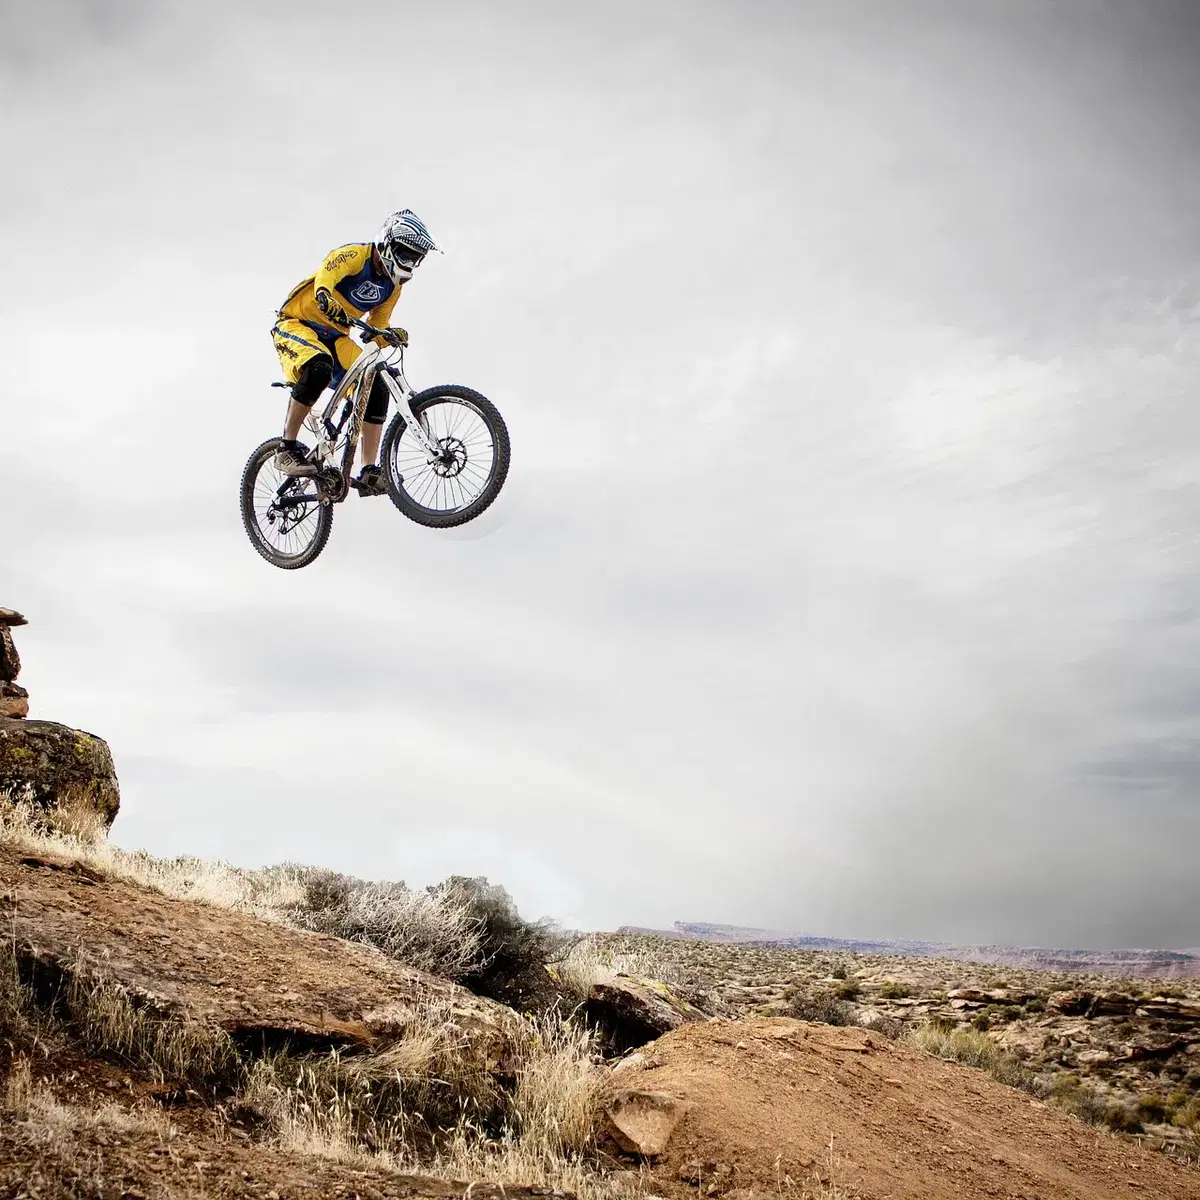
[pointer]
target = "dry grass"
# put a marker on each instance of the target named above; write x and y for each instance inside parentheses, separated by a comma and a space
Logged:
(111, 1021)
(22, 1024)
(32, 1102)
(590, 961)
(386, 1107)
(431, 931)
(425, 1081)
(47, 1135)
(265, 892)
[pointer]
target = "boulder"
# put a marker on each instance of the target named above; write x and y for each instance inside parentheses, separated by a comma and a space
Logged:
(1113, 1004)
(10, 660)
(642, 1122)
(58, 768)
(631, 1012)
(1070, 1004)
(14, 700)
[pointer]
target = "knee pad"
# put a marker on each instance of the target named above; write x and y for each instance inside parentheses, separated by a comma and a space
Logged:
(377, 403)
(313, 380)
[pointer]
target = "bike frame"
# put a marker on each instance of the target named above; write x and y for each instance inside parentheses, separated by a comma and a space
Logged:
(386, 362)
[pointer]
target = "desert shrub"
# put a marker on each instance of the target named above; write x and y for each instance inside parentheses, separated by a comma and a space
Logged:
(1122, 1118)
(839, 972)
(1153, 1108)
(1087, 1103)
(434, 931)
(821, 1005)
(890, 1027)
(1036, 1005)
(513, 953)
(849, 989)
(970, 1047)
(894, 990)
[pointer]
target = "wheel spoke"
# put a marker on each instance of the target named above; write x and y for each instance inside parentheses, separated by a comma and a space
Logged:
(447, 486)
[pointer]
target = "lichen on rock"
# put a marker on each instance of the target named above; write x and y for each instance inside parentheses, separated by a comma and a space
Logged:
(55, 767)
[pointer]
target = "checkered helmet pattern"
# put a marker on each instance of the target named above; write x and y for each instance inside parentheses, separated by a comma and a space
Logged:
(402, 243)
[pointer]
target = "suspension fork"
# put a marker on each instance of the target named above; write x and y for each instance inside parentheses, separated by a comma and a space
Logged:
(403, 394)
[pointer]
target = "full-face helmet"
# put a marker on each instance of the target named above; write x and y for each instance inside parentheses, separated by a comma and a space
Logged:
(403, 243)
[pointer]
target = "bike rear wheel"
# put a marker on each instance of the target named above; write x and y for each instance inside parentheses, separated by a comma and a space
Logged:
(285, 518)
(474, 463)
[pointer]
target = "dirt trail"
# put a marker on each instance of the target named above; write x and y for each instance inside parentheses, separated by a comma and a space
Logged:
(769, 1097)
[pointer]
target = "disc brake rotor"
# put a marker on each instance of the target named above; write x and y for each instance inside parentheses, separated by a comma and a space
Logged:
(452, 459)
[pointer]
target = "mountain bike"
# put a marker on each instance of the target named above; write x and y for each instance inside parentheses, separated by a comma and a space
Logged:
(444, 456)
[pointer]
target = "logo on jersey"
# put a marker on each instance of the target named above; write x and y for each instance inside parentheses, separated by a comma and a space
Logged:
(334, 261)
(367, 294)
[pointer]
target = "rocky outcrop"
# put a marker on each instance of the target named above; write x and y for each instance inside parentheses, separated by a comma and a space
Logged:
(631, 1012)
(1171, 1009)
(14, 699)
(52, 766)
(58, 768)
(260, 983)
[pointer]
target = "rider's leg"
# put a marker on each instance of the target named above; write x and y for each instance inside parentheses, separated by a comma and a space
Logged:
(311, 381)
(373, 419)
(370, 480)
(372, 434)
(295, 418)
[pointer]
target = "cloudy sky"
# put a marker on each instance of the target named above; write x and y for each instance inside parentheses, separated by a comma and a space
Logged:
(846, 578)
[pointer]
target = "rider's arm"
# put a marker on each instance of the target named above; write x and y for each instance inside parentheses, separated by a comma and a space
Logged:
(337, 265)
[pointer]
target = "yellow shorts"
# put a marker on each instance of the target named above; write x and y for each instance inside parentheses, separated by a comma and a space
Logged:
(297, 341)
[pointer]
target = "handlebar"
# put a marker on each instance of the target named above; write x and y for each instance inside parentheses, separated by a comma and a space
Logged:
(370, 331)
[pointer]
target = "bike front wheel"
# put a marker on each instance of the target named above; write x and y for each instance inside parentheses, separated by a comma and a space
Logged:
(471, 469)
(286, 519)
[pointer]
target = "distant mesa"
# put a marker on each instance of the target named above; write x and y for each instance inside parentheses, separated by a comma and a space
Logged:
(51, 766)
(1156, 964)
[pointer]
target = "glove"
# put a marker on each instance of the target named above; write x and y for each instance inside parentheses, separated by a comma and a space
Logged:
(331, 308)
(397, 335)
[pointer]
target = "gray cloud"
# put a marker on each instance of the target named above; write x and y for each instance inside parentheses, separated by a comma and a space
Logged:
(845, 577)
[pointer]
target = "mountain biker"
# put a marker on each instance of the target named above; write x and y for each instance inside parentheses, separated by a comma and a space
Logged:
(312, 339)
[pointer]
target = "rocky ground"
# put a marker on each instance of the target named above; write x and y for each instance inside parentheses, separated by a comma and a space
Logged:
(1129, 1046)
(155, 1047)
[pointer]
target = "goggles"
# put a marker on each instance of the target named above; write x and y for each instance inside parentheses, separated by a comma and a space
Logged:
(405, 256)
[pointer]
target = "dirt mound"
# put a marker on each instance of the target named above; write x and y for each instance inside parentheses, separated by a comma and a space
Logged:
(771, 1099)
(257, 981)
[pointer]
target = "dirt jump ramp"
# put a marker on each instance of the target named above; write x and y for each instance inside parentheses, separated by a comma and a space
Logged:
(772, 1105)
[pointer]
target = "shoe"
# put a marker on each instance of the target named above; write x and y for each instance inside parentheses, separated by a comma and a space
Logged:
(370, 482)
(292, 459)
